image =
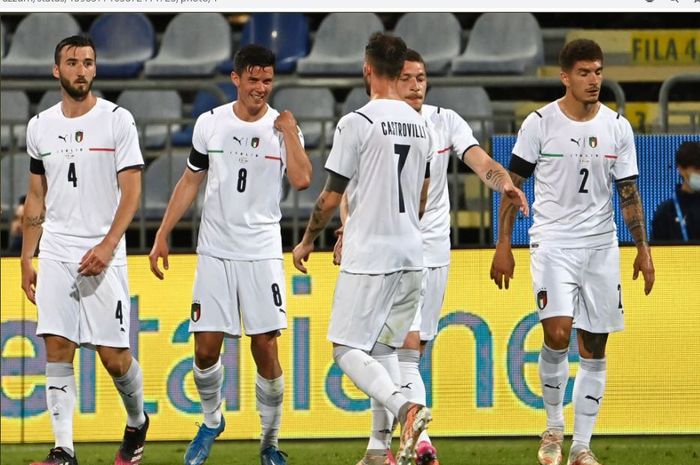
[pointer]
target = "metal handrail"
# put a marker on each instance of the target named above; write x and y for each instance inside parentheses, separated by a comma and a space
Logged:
(665, 90)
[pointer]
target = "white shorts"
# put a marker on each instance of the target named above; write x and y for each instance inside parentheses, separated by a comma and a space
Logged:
(88, 310)
(432, 296)
(227, 290)
(374, 308)
(580, 283)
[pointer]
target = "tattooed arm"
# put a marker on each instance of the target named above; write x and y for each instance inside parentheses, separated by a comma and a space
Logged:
(31, 231)
(503, 264)
(633, 214)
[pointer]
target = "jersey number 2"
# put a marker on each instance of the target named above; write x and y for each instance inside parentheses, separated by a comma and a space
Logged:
(402, 151)
(71, 174)
(584, 173)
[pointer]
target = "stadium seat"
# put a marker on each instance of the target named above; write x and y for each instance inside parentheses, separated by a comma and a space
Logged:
(203, 102)
(436, 36)
(152, 105)
(14, 180)
(31, 51)
(160, 178)
(14, 114)
(502, 43)
(472, 103)
(193, 44)
(286, 34)
(339, 44)
(356, 99)
(52, 97)
(305, 103)
(307, 197)
(123, 41)
(3, 32)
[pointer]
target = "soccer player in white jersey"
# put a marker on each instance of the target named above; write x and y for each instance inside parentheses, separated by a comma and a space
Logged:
(575, 146)
(86, 173)
(244, 149)
(381, 155)
(453, 136)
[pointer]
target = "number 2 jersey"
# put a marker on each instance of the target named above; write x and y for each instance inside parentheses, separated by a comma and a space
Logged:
(246, 163)
(81, 158)
(574, 165)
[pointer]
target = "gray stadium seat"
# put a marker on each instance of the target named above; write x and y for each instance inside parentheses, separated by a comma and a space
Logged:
(357, 98)
(472, 103)
(159, 180)
(308, 102)
(14, 114)
(436, 36)
(153, 105)
(14, 180)
(31, 51)
(3, 32)
(52, 97)
(193, 44)
(307, 197)
(340, 43)
(502, 43)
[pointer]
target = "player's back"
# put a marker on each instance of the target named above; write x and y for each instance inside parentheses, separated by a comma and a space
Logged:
(383, 148)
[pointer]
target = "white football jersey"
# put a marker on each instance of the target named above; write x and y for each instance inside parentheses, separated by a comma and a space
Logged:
(247, 160)
(383, 149)
(575, 166)
(453, 136)
(81, 158)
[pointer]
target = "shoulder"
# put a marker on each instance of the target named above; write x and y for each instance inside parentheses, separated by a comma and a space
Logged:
(116, 113)
(47, 116)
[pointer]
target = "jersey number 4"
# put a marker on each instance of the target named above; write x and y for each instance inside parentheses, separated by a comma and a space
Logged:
(71, 174)
(402, 151)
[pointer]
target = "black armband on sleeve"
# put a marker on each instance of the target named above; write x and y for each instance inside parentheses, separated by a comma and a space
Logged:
(36, 166)
(336, 182)
(198, 160)
(427, 170)
(521, 167)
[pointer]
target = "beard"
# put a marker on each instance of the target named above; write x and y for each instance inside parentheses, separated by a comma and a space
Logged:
(74, 92)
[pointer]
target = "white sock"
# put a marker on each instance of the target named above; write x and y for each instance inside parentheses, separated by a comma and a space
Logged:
(130, 387)
(60, 400)
(412, 385)
(370, 377)
(554, 374)
(209, 382)
(382, 419)
(589, 388)
(269, 395)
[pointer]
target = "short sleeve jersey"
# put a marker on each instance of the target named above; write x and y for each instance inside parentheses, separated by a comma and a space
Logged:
(246, 163)
(383, 149)
(81, 158)
(576, 163)
(453, 136)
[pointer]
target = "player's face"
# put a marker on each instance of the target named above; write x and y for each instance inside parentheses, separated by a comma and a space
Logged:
(412, 84)
(76, 70)
(583, 81)
(254, 87)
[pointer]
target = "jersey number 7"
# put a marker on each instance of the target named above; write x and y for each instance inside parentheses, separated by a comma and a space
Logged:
(402, 151)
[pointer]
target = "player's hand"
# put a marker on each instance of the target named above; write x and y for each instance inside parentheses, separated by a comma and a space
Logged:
(159, 250)
(338, 247)
(29, 281)
(301, 254)
(96, 260)
(517, 198)
(644, 263)
(286, 122)
(502, 266)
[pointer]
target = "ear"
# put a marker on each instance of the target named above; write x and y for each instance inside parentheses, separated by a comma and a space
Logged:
(55, 71)
(564, 77)
(236, 79)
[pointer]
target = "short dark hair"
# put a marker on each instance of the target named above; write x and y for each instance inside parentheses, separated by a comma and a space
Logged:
(80, 40)
(412, 55)
(386, 54)
(688, 154)
(579, 50)
(252, 55)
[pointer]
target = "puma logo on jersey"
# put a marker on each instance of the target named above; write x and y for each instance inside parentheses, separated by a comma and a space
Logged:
(597, 401)
(340, 130)
(406, 386)
(63, 138)
(576, 141)
(59, 388)
(240, 141)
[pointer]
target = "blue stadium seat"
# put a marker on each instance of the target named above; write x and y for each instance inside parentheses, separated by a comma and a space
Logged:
(203, 102)
(123, 41)
(286, 34)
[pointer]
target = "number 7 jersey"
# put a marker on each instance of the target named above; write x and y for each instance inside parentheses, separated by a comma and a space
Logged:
(575, 163)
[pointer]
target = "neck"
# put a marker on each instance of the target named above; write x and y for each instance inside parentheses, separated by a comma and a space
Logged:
(577, 110)
(384, 88)
(248, 114)
(72, 108)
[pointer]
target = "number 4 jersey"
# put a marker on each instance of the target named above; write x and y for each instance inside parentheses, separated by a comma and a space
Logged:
(81, 158)
(574, 165)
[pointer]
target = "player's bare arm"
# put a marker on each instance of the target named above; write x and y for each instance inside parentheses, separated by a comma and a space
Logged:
(633, 214)
(298, 164)
(503, 263)
(97, 259)
(183, 195)
(34, 208)
(495, 176)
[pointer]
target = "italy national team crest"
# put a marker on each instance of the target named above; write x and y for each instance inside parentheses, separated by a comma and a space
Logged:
(78, 136)
(255, 142)
(542, 299)
(196, 311)
(593, 142)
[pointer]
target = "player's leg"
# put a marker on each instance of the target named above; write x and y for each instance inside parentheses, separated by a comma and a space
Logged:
(58, 323)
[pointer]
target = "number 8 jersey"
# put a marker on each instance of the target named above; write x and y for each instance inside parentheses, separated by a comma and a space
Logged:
(574, 165)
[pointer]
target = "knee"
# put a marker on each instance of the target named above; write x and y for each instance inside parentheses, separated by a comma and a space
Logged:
(115, 364)
(558, 338)
(206, 357)
(264, 344)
